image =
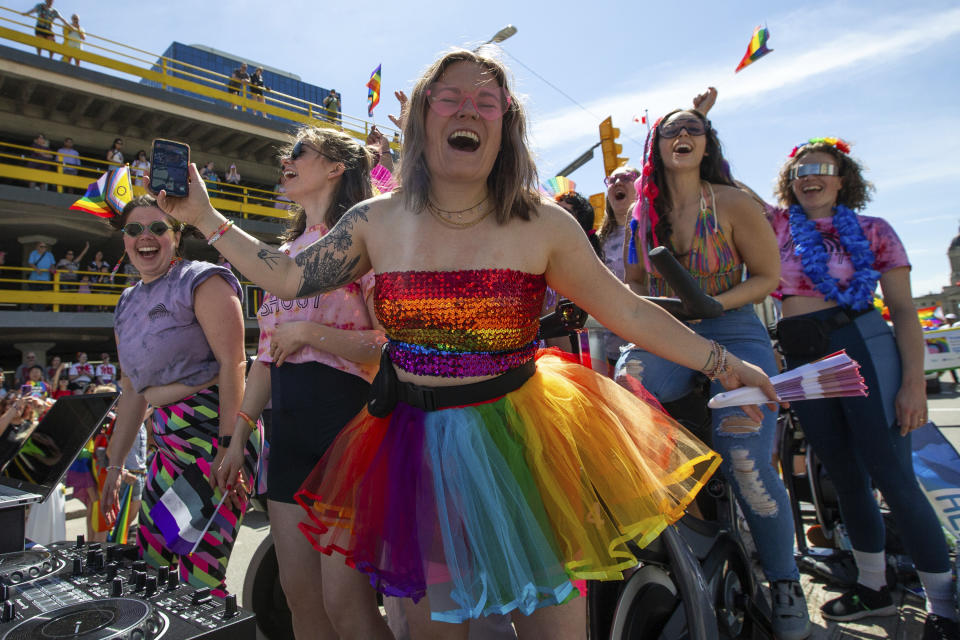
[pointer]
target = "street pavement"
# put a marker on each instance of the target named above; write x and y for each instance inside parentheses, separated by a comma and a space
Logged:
(944, 410)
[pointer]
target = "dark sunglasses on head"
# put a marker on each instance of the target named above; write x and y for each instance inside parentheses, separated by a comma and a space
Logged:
(813, 169)
(626, 176)
(672, 129)
(157, 228)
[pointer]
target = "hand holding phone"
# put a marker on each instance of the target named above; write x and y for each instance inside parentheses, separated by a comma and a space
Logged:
(170, 168)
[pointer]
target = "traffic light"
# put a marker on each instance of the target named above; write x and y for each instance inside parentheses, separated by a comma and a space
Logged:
(611, 150)
(599, 203)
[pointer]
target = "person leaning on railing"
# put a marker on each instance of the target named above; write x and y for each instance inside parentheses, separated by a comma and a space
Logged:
(46, 14)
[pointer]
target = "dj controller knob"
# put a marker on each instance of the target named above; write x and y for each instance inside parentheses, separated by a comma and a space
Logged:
(162, 574)
(137, 634)
(91, 554)
(77, 566)
(139, 580)
(15, 577)
(5, 592)
(230, 606)
(116, 588)
(80, 541)
(200, 596)
(140, 565)
(151, 585)
(173, 581)
(112, 570)
(98, 560)
(9, 611)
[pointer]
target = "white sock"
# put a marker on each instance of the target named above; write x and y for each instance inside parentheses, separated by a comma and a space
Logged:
(872, 568)
(940, 593)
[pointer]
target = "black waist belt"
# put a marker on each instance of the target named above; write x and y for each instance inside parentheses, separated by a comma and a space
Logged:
(433, 398)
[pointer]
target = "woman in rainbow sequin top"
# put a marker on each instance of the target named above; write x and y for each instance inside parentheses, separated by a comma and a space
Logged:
(491, 475)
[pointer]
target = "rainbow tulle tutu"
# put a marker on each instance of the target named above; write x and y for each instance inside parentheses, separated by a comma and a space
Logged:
(498, 506)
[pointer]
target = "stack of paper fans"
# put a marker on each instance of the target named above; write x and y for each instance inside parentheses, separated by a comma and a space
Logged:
(832, 376)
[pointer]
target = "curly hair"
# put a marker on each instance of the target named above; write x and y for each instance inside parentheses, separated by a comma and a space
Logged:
(855, 191)
(512, 182)
(354, 186)
(584, 214)
(713, 169)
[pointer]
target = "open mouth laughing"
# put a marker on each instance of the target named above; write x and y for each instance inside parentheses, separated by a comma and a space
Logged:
(464, 140)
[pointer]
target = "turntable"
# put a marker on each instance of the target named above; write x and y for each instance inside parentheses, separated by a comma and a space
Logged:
(121, 618)
(22, 566)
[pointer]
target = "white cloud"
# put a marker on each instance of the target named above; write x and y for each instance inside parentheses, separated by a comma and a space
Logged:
(875, 44)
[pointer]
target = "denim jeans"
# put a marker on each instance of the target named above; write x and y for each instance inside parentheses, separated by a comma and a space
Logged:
(858, 440)
(746, 447)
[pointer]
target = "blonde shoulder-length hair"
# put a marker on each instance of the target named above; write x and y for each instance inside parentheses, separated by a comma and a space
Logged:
(513, 179)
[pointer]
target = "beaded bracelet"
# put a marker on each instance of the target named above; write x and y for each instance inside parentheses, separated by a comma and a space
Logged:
(111, 467)
(222, 229)
(223, 442)
(250, 421)
(718, 356)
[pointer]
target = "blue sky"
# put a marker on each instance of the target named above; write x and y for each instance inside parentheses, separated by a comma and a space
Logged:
(883, 75)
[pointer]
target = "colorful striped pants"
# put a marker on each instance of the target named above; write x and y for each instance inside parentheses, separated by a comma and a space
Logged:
(186, 434)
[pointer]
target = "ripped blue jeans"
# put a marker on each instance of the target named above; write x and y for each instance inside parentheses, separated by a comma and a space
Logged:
(746, 447)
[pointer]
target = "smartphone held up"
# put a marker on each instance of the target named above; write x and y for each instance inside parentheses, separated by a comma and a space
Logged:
(170, 168)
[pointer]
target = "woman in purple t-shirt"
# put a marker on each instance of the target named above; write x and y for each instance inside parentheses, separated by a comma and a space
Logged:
(832, 261)
(179, 338)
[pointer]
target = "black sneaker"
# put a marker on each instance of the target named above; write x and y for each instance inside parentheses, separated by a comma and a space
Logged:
(859, 602)
(940, 628)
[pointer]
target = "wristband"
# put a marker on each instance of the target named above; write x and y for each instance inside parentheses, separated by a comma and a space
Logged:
(224, 441)
(250, 421)
(117, 467)
(222, 229)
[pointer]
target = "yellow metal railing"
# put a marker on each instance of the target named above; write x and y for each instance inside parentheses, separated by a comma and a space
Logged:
(169, 73)
(15, 161)
(58, 292)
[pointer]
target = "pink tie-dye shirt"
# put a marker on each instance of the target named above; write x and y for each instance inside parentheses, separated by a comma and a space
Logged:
(887, 249)
(344, 308)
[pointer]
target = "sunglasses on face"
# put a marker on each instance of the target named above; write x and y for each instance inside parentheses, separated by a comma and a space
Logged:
(626, 176)
(672, 129)
(298, 148)
(157, 228)
(813, 169)
(489, 102)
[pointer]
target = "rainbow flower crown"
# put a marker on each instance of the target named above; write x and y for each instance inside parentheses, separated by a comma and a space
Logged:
(838, 144)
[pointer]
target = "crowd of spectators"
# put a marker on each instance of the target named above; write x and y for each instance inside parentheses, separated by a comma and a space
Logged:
(59, 377)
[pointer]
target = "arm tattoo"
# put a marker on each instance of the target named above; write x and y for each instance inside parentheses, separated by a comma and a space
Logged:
(269, 257)
(328, 264)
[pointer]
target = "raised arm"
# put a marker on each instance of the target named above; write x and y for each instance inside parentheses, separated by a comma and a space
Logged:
(336, 259)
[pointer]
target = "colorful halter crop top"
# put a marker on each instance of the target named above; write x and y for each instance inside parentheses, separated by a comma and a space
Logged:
(458, 324)
(728, 273)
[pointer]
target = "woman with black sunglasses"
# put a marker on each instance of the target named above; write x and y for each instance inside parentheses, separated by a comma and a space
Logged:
(833, 258)
(316, 359)
(483, 477)
(690, 205)
(179, 334)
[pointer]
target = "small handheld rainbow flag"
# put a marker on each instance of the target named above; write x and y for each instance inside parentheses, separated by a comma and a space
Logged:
(558, 187)
(832, 376)
(106, 197)
(930, 317)
(373, 95)
(756, 49)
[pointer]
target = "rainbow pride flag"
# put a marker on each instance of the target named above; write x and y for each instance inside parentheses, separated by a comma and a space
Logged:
(930, 317)
(106, 197)
(558, 186)
(373, 95)
(756, 49)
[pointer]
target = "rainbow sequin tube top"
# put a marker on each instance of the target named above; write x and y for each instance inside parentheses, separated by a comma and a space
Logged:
(459, 324)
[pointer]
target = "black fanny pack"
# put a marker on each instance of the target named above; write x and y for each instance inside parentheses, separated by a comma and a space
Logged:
(387, 390)
(806, 337)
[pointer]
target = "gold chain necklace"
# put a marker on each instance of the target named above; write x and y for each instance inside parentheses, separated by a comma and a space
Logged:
(446, 217)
